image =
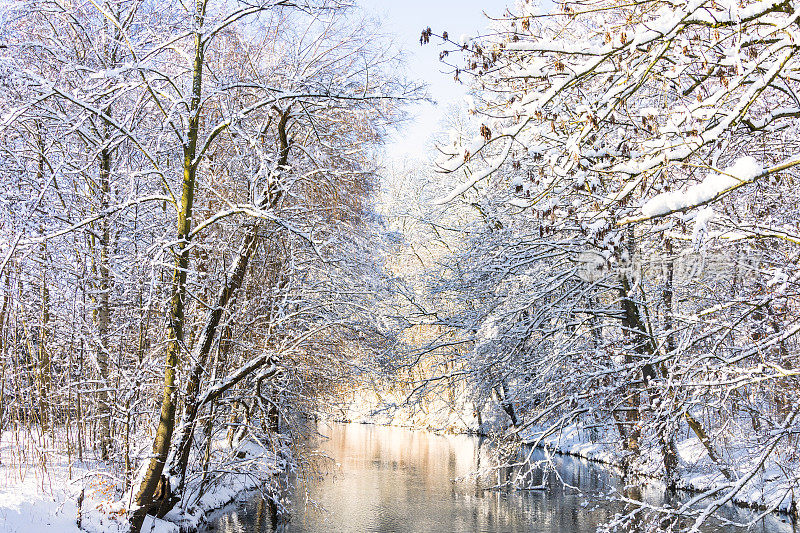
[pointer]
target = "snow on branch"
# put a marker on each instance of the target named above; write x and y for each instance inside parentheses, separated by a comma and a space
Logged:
(495, 165)
(744, 171)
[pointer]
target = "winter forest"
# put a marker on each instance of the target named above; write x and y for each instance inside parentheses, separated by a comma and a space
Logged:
(205, 250)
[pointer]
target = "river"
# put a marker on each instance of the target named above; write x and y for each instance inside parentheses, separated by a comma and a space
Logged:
(389, 479)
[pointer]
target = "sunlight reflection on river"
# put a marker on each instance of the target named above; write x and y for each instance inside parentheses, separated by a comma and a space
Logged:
(398, 480)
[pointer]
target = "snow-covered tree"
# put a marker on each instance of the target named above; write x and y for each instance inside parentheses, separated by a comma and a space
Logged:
(203, 175)
(636, 162)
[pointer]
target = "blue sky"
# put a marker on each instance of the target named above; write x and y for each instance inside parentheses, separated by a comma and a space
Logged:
(405, 20)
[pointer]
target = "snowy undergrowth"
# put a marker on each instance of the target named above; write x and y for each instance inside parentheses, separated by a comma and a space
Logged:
(248, 467)
(41, 490)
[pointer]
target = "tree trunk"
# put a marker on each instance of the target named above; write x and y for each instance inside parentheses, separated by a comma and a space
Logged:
(668, 294)
(43, 359)
(3, 312)
(645, 346)
(632, 330)
(505, 403)
(666, 438)
(695, 425)
(102, 310)
(201, 351)
(642, 345)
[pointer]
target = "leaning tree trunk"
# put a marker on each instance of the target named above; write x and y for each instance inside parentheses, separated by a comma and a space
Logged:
(175, 326)
(501, 390)
(201, 351)
(202, 348)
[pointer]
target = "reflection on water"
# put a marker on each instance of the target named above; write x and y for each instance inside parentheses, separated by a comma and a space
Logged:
(398, 480)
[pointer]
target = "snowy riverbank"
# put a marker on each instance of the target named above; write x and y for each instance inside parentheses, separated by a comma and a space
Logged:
(41, 490)
(767, 489)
